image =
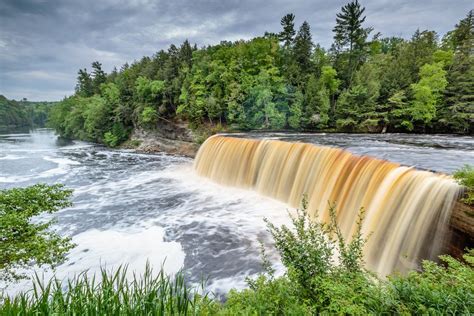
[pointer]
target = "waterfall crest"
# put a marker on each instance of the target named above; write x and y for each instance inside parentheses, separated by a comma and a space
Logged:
(407, 210)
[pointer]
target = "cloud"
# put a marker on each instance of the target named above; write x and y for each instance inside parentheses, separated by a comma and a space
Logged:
(44, 42)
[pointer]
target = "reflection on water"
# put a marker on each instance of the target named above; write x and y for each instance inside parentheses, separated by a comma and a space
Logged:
(130, 208)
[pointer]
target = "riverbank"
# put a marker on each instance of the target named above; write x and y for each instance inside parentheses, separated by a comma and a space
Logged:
(168, 137)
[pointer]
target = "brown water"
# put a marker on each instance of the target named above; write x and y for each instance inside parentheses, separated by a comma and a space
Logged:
(406, 209)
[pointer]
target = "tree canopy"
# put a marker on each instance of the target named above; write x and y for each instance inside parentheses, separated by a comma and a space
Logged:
(286, 80)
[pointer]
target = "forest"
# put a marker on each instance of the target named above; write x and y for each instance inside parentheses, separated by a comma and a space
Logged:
(364, 82)
(23, 114)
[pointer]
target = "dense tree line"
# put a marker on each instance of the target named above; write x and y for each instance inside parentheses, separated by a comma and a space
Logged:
(365, 82)
(19, 114)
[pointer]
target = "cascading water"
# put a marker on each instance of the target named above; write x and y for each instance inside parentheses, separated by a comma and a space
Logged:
(407, 210)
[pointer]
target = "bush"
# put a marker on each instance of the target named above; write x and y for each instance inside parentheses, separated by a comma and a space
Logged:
(24, 243)
(346, 125)
(315, 283)
(117, 135)
(446, 289)
(148, 116)
(465, 177)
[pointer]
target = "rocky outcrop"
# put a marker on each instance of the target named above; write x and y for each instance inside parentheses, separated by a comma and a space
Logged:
(461, 230)
(168, 137)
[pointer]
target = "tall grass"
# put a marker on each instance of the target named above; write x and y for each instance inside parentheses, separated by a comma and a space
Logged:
(114, 294)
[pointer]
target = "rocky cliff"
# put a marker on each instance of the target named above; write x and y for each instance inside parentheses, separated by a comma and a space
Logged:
(169, 137)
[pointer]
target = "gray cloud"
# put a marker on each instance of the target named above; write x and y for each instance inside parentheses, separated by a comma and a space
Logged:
(44, 42)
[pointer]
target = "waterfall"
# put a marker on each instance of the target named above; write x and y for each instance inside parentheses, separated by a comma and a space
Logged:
(406, 210)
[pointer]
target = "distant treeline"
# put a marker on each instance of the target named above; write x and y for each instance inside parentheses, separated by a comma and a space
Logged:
(17, 114)
(364, 83)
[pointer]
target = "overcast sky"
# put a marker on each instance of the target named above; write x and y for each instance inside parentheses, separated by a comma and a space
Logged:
(43, 43)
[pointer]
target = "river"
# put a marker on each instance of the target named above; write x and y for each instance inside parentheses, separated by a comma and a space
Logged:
(131, 208)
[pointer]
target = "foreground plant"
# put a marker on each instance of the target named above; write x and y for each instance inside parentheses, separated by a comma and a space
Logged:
(315, 283)
(114, 294)
(24, 243)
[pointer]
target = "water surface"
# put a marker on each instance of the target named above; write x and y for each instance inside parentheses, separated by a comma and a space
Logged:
(132, 208)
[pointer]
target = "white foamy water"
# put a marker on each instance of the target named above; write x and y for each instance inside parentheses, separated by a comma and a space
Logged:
(132, 208)
(135, 208)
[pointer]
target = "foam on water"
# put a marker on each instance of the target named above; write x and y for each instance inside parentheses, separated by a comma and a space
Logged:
(134, 248)
(132, 207)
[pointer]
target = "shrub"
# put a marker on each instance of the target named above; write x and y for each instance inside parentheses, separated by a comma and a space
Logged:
(465, 177)
(148, 116)
(314, 283)
(24, 243)
(117, 135)
(443, 289)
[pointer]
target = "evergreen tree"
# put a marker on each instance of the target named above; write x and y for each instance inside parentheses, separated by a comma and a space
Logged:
(84, 86)
(457, 112)
(288, 33)
(350, 36)
(186, 53)
(462, 37)
(296, 111)
(357, 105)
(302, 50)
(99, 76)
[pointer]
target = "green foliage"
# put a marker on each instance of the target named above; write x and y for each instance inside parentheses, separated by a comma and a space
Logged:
(23, 242)
(149, 116)
(315, 283)
(281, 81)
(441, 289)
(117, 135)
(427, 92)
(23, 113)
(266, 297)
(147, 294)
(350, 39)
(296, 112)
(288, 33)
(465, 177)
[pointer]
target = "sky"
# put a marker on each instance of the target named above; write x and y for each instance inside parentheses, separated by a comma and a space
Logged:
(43, 43)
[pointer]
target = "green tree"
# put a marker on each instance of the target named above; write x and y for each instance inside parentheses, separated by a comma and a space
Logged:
(357, 105)
(296, 111)
(318, 95)
(25, 243)
(97, 117)
(457, 111)
(98, 76)
(427, 92)
(148, 116)
(84, 86)
(302, 51)
(398, 111)
(350, 36)
(265, 110)
(288, 33)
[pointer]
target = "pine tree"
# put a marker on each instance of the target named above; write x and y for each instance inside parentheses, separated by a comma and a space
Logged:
(186, 53)
(287, 35)
(98, 75)
(350, 36)
(84, 86)
(303, 49)
(457, 112)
